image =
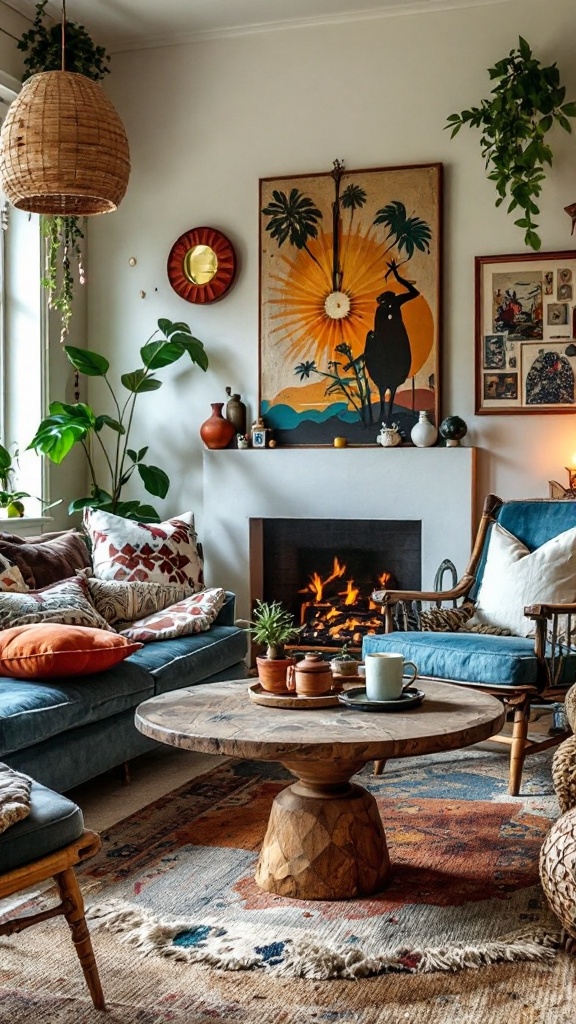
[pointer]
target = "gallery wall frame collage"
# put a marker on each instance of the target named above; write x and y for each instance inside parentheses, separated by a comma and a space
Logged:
(525, 352)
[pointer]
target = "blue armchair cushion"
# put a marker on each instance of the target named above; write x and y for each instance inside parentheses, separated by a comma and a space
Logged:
(468, 657)
(53, 822)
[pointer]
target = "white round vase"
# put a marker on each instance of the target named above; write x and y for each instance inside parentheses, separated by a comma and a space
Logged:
(423, 433)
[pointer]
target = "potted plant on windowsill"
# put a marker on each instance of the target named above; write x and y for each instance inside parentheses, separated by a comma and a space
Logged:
(272, 626)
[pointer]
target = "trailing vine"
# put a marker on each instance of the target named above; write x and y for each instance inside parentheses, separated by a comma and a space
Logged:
(523, 106)
(63, 235)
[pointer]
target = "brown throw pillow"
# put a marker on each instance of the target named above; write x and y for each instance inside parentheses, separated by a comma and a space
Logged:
(46, 559)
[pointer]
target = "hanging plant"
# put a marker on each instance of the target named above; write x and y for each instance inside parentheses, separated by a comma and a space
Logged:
(523, 106)
(63, 235)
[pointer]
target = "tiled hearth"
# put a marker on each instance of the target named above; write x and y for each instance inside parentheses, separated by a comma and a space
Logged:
(433, 486)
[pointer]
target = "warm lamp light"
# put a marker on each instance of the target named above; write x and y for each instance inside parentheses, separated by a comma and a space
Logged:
(64, 147)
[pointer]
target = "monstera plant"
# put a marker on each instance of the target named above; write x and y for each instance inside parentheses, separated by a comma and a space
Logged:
(77, 423)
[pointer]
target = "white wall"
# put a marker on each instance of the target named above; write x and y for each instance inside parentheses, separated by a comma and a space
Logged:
(206, 121)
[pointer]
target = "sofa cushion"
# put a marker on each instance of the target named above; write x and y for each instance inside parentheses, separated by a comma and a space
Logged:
(123, 549)
(53, 822)
(33, 711)
(67, 602)
(194, 614)
(515, 577)
(467, 657)
(188, 660)
(46, 559)
(50, 651)
(124, 601)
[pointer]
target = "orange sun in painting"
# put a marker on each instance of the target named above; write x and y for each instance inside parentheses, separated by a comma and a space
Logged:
(311, 318)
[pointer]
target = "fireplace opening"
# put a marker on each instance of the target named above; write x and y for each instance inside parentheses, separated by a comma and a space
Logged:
(324, 572)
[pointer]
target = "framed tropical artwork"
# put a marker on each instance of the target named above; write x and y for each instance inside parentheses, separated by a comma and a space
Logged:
(350, 286)
(526, 333)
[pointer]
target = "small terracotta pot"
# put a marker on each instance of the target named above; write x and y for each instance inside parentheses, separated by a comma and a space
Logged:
(272, 673)
(310, 677)
(344, 668)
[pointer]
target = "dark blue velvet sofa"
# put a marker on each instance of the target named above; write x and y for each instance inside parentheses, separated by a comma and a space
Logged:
(63, 733)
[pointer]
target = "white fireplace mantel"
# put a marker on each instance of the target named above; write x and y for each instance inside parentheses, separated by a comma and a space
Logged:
(432, 485)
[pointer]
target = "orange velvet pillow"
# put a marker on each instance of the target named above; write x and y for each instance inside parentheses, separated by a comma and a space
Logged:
(49, 650)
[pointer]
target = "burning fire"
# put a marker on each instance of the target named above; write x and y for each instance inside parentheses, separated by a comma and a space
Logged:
(331, 614)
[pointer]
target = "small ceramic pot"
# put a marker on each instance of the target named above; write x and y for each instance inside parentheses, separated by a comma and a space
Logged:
(310, 677)
(344, 667)
(388, 437)
(272, 673)
(423, 433)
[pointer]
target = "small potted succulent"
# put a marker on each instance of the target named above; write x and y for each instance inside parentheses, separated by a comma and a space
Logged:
(272, 626)
(344, 663)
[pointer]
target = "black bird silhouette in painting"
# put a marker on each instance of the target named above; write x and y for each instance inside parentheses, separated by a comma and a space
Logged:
(387, 353)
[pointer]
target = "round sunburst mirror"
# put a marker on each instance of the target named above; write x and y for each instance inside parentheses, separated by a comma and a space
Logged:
(202, 265)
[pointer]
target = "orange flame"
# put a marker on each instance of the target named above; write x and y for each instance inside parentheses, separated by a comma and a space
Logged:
(316, 583)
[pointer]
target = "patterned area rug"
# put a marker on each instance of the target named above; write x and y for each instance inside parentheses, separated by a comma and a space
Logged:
(174, 883)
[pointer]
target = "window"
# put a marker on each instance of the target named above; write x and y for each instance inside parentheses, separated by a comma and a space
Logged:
(22, 333)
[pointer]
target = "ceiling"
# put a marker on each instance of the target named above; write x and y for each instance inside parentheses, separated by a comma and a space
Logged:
(137, 24)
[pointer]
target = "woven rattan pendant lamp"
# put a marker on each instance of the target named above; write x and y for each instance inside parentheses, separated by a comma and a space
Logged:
(64, 150)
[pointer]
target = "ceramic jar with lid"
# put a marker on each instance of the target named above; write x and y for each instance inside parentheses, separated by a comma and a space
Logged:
(310, 677)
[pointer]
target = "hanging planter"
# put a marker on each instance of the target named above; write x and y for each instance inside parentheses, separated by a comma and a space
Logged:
(64, 149)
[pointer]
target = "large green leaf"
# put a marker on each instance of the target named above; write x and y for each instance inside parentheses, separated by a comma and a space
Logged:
(139, 383)
(155, 480)
(161, 353)
(5, 460)
(195, 350)
(89, 363)
(141, 514)
(55, 441)
(108, 421)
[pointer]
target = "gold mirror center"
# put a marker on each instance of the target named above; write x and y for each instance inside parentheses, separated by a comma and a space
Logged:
(200, 264)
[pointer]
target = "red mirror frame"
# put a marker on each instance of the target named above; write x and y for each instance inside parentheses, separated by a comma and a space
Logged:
(223, 279)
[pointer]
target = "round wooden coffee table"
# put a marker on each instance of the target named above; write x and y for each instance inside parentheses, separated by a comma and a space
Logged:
(325, 838)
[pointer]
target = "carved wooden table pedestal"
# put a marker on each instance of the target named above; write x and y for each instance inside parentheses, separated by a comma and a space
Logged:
(325, 838)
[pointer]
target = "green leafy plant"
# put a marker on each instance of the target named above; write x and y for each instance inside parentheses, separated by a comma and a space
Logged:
(272, 626)
(10, 499)
(523, 106)
(42, 44)
(77, 423)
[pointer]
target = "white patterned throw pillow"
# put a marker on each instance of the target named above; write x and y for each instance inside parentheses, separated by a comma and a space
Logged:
(193, 615)
(123, 549)
(11, 578)
(515, 577)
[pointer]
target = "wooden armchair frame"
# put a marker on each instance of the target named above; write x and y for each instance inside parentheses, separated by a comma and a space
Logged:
(518, 698)
(60, 866)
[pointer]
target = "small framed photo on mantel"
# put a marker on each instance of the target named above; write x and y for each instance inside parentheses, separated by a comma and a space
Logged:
(525, 323)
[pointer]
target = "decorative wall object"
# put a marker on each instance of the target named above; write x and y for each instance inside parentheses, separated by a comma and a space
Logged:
(526, 333)
(202, 265)
(350, 275)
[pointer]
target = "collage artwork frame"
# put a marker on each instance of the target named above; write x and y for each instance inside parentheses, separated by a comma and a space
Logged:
(525, 333)
(335, 247)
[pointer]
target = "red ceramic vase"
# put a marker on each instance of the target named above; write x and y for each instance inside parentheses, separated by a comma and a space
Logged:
(216, 431)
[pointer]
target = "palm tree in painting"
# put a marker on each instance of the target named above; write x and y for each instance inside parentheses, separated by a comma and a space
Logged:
(353, 198)
(293, 219)
(406, 233)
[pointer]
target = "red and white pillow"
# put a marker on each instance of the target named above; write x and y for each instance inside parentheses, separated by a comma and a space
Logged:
(11, 579)
(123, 549)
(194, 614)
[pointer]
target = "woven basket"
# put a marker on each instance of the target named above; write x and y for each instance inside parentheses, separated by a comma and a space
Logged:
(64, 148)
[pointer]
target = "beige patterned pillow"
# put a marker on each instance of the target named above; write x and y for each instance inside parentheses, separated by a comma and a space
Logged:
(14, 796)
(68, 602)
(122, 601)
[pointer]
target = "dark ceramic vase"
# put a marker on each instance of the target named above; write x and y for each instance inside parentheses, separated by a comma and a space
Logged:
(216, 431)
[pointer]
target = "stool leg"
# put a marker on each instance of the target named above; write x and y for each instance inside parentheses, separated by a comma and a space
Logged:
(379, 767)
(518, 747)
(74, 914)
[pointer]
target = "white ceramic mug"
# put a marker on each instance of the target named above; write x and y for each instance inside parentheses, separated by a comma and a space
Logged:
(385, 676)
